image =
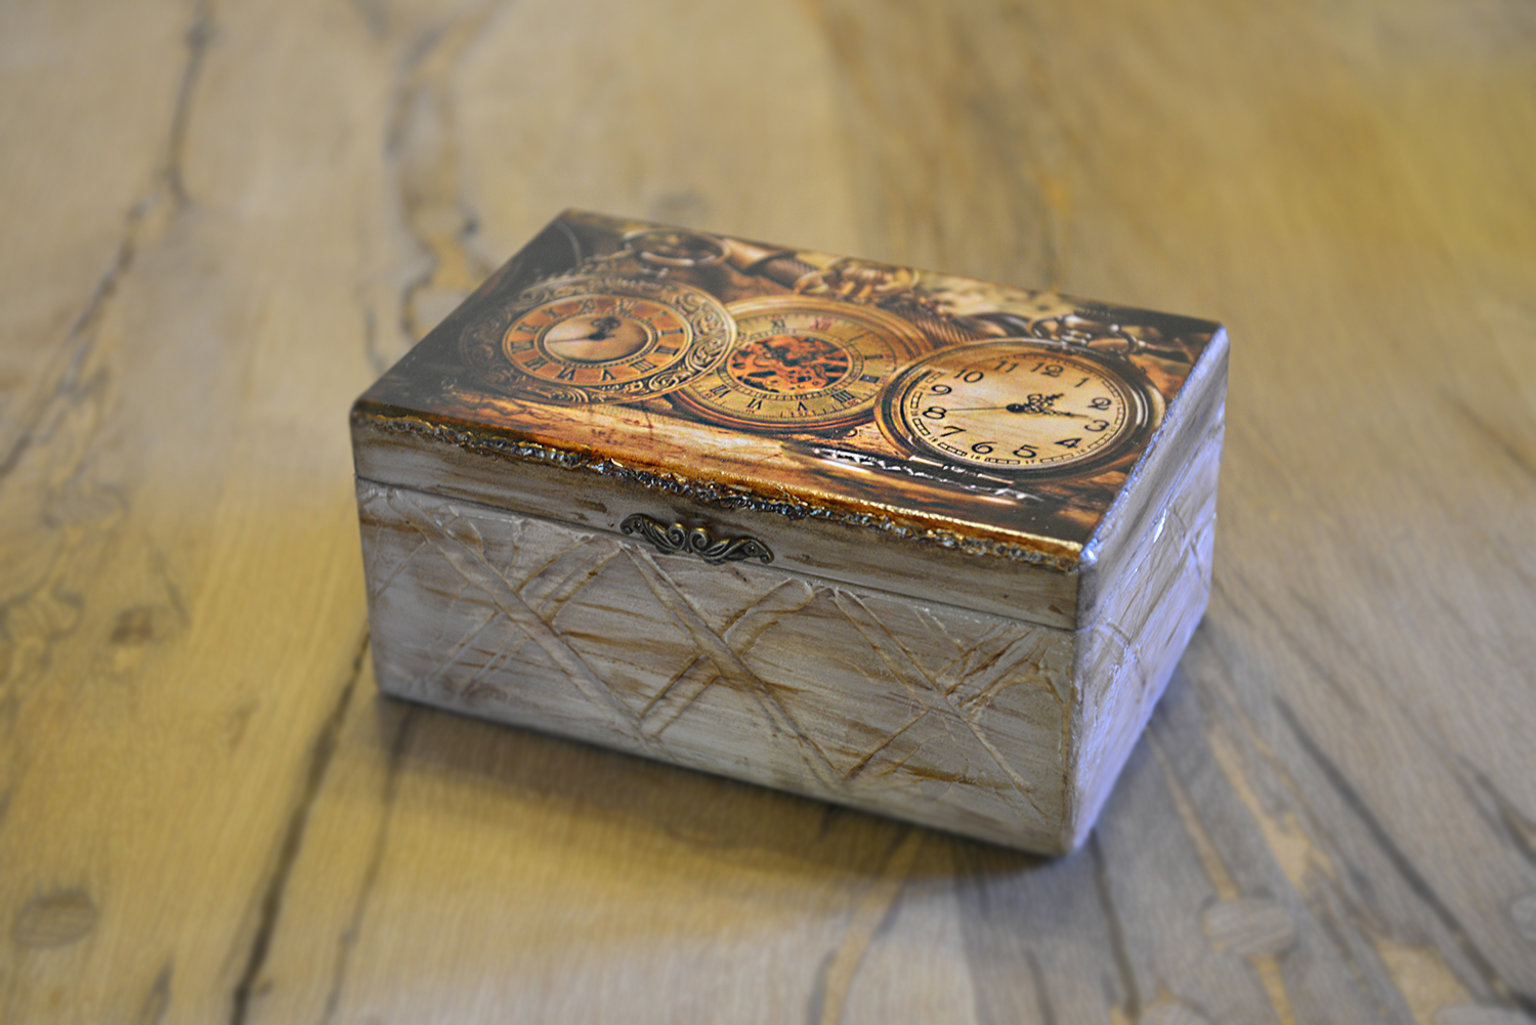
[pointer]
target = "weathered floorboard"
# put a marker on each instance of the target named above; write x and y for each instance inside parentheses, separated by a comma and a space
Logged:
(223, 220)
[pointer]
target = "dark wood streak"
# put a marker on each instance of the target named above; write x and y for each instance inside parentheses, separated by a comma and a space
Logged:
(346, 942)
(1042, 991)
(1519, 831)
(82, 338)
(1303, 649)
(157, 1002)
(1130, 992)
(1485, 430)
(1403, 864)
(200, 34)
(270, 904)
(420, 126)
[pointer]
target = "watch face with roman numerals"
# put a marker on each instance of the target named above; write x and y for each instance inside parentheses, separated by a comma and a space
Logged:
(1020, 408)
(802, 364)
(596, 339)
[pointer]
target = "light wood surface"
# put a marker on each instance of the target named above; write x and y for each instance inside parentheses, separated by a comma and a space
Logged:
(223, 220)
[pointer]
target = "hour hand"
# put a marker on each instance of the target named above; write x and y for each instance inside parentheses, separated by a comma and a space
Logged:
(602, 327)
(1040, 405)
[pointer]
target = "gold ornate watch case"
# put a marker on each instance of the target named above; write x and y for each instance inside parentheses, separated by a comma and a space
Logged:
(802, 363)
(1021, 408)
(584, 339)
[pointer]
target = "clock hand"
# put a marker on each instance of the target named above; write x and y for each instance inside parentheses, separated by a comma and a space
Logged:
(602, 327)
(1040, 405)
(1020, 407)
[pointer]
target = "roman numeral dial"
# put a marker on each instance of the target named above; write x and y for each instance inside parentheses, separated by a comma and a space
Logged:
(598, 339)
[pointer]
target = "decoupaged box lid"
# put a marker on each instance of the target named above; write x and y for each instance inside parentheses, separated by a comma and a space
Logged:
(938, 436)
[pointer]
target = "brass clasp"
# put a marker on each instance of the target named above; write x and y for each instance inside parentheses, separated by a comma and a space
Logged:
(674, 537)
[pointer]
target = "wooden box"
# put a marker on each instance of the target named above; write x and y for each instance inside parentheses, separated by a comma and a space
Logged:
(915, 543)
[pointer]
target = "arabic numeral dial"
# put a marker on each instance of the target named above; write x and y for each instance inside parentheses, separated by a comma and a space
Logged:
(1018, 407)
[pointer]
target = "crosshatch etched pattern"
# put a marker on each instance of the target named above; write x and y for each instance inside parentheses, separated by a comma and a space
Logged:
(932, 713)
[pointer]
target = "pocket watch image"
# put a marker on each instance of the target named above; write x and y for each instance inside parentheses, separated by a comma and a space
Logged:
(802, 363)
(584, 339)
(1021, 408)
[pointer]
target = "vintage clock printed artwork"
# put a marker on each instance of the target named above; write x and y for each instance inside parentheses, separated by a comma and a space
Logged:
(779, 370)
(598, 338)
(1020, 408)
(803, 364)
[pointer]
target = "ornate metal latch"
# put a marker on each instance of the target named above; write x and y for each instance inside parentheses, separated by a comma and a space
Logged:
(674, 537)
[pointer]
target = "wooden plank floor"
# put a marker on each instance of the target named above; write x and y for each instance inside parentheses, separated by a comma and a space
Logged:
(223, 219)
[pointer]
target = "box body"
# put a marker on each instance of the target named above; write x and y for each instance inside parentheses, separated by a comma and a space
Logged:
(700, 499)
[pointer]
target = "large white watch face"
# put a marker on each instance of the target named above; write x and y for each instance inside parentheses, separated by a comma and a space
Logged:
(1017, 407)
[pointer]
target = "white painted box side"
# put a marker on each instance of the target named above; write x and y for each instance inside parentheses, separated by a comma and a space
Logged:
(932, 713)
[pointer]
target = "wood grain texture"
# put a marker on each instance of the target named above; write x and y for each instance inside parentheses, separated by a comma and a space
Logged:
(225, 219)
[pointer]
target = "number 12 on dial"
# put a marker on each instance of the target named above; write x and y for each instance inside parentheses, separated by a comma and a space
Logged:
(1020, 407)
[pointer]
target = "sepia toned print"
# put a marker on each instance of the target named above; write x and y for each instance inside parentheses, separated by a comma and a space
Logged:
(852, 388)
(802, 364)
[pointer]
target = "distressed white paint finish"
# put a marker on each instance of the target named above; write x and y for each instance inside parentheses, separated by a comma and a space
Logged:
(923, 711)
(1129, 650)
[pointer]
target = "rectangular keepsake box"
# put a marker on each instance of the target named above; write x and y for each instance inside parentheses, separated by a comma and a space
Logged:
(910, 542)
